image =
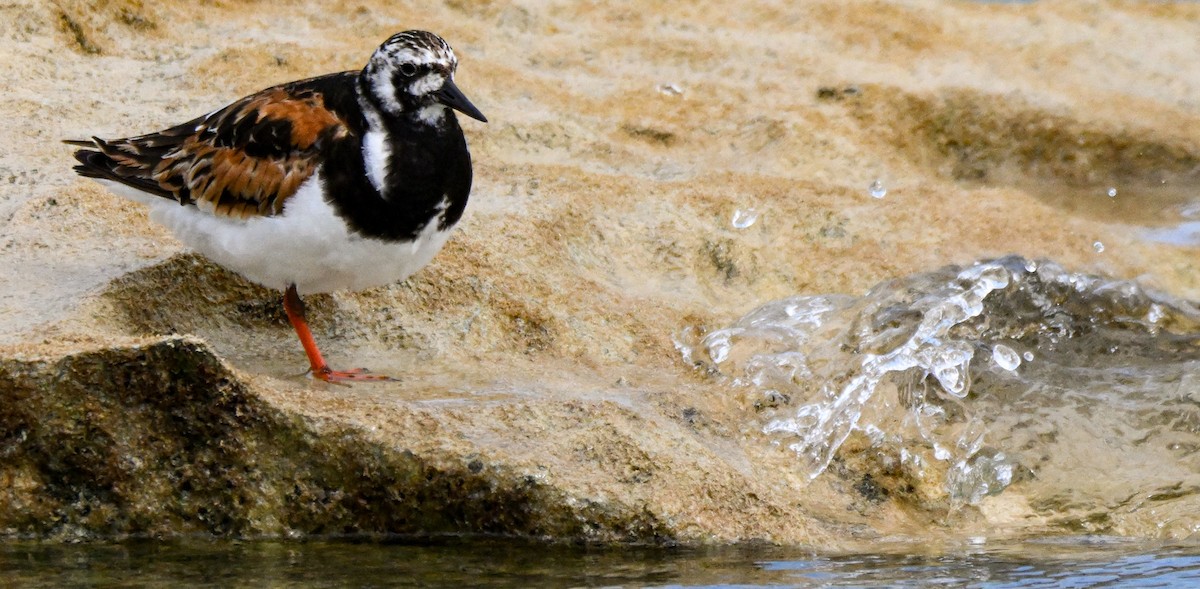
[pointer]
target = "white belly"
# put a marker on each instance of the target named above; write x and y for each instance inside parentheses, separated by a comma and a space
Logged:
(307, 245)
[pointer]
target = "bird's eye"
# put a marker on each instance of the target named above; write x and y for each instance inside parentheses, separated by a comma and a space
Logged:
(409, 70)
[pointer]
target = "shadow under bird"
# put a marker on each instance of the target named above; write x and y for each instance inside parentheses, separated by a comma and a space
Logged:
(340, 182)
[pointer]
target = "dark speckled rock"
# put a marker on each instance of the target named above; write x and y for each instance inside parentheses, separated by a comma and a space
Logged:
(161, 440)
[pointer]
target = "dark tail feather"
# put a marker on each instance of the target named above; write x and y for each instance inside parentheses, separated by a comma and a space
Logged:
(93, 164)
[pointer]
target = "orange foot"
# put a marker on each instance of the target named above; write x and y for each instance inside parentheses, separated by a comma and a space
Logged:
(328, 374)
(294, 307)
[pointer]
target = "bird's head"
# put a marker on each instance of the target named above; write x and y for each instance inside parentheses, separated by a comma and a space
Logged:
(412, 73)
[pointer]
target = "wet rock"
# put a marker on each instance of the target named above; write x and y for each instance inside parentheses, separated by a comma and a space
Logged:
(162, 439)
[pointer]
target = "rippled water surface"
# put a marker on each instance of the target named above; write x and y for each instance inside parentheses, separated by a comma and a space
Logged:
(1085, 562)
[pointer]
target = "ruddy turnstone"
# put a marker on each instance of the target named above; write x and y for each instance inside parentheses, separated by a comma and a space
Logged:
(344, 181)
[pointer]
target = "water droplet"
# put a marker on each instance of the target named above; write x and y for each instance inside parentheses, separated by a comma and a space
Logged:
(684, 341)
(1112, 193)
(718, 350)
(719, 343)
(669, 90)
(940, 452)
(1155, 313)
(1098, 246)
(1031, 266)
(1028, 356)
(953, 379)
(877, 190)
(744, 218)
(1005, 357)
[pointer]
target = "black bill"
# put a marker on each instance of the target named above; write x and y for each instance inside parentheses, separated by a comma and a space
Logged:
(452, 97)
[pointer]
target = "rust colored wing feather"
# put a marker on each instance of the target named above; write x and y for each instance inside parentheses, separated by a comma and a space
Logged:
(242, 161)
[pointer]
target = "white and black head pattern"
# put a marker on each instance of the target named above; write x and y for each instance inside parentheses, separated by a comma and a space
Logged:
(412, 73)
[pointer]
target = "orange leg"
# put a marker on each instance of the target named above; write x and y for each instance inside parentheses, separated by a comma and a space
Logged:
(294, 307)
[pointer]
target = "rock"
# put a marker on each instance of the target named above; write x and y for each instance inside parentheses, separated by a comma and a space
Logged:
(162, 439)
(145, 391)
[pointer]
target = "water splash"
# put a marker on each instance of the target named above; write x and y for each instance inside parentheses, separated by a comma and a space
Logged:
(924, 369)
(926, 350)
(983, 474)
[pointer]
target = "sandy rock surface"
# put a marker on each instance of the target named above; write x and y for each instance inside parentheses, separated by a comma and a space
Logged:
(147, 391)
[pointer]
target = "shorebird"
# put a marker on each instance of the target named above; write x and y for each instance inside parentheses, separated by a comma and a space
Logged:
(340, 182)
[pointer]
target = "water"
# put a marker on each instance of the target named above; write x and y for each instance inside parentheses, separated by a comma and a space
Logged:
(964, 382)
(669, 90)
(1076, 562)
(1185, 234)
(744, 218)
(877, 189)
(1005, 357)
